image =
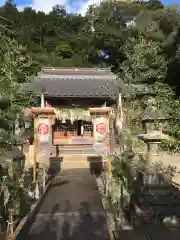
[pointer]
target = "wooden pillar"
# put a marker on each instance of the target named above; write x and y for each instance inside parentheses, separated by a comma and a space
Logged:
(38, 114)
(35, 145)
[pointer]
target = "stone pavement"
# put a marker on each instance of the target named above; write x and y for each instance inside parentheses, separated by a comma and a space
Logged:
(70, 210)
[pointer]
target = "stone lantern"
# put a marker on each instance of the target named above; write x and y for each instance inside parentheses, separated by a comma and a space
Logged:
(153, 119)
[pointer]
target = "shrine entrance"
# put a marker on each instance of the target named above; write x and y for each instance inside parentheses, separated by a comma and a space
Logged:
(76, 132)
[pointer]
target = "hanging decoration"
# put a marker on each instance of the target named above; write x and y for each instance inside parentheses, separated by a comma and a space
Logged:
(119, 115)
(72, 114)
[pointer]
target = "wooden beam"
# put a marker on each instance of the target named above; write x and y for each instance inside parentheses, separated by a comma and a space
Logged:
(100, 110)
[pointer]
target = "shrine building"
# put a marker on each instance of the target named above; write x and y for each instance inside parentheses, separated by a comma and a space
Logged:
(77, 96)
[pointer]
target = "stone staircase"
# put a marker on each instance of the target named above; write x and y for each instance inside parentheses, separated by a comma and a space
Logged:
(94, 163)
(74, 161)
(68, 157)
(76, 149)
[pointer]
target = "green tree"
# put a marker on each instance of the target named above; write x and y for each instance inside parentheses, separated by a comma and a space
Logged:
(16, 68)
(150, 50)
(144, 62)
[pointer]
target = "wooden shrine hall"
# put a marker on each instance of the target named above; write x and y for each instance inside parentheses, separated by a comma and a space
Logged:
(73, 94)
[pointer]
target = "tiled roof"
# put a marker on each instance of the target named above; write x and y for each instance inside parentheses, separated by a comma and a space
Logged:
(71, 82)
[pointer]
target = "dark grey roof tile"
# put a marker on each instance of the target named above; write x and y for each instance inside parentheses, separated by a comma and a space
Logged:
(101, 84)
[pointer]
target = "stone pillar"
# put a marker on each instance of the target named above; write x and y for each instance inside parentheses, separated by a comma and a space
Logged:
(100, 119)
(153, 150)
(43, 120)
(153, 141)
(101, 141)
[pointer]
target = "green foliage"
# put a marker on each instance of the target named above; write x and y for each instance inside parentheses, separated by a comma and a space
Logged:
(10, 191)
(172, 144)
(124, 168)
(143, 63)
(64, 50)
(16, 66)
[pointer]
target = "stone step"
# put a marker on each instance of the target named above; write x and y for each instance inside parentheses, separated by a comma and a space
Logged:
(71, 165)
(74, 150)
(76, 161)
(78, 158)
(81, 158)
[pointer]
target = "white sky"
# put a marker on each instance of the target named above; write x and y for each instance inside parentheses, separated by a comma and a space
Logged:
(78, 6)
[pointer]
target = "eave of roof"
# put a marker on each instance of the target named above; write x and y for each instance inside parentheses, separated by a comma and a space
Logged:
(88, 83)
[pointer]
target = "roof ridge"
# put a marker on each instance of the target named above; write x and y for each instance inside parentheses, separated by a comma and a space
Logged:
(76, 77)
(68, 69)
